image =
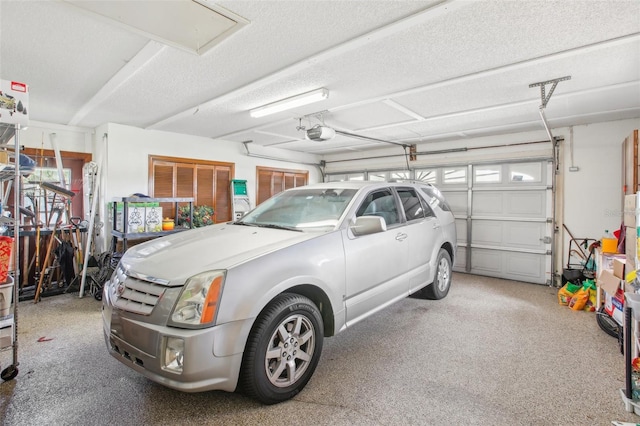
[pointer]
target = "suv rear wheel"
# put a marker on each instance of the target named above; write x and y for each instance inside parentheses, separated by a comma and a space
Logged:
(442, 278)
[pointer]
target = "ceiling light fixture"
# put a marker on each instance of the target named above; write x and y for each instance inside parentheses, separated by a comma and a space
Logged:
(292, 102)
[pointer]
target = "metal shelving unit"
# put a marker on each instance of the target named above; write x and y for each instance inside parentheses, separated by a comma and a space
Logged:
(11, 173)
(125, 235)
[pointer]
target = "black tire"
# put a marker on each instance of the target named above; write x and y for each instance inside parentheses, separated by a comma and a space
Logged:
(607, 324)
(290, 326)
(441, 284)
(9, 373)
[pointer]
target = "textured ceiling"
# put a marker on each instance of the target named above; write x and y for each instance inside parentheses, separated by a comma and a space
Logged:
(401, 71)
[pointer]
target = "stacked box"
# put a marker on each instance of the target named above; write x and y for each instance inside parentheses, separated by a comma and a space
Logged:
(153, 217)
(135, 217)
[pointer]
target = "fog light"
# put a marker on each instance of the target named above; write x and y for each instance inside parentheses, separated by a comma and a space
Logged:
(173, 354)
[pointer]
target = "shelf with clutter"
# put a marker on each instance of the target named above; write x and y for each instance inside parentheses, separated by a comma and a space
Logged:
(138, 218)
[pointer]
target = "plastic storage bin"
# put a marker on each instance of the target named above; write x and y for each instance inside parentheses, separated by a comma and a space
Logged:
(6, 296)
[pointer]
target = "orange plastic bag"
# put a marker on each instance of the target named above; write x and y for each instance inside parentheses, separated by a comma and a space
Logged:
(566, 293)
(579, 299)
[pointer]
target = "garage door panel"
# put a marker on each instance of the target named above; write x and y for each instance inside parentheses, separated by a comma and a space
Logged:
(524, 265)
(485, 262)
(458, 201)
(527, 267)
(509, 234)
(526, 204)
(460, 261)
(516, 204)
(487, 232)
(487, 203)
(525, 235)
(461, 231)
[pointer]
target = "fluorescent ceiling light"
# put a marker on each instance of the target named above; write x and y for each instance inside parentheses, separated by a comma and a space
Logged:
(292, 102)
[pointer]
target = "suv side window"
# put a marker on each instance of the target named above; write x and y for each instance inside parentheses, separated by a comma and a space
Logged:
(380, 203)
(414, 206)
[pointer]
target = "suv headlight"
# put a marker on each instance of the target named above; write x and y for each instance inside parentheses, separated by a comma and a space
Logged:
(197, 305)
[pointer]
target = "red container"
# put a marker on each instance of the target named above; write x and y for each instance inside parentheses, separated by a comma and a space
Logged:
(6, 245)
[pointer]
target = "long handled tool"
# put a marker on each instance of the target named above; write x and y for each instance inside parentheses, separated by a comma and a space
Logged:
(46, 258)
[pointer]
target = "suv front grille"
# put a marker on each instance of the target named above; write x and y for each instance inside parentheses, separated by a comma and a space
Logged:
(135, 294)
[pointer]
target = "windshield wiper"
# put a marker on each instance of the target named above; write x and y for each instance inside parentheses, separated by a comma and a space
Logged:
(243, 223)
(271, 225)
(268, 225)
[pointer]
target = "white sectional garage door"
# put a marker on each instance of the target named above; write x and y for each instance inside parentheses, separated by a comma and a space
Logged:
(503, 216)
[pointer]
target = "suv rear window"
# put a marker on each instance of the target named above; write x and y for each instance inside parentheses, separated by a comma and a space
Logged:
(434, 194)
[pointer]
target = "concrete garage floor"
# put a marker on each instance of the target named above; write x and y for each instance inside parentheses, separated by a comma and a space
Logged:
(493, 352)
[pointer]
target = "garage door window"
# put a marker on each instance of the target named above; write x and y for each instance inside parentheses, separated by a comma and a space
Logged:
(454, 175)
(345, 177)
(427, 176)
(525, 172)
(487, 174)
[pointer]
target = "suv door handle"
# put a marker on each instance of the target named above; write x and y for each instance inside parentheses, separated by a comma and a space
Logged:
(401, 236)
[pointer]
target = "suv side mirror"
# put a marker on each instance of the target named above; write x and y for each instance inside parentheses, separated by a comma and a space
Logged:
(364, 225)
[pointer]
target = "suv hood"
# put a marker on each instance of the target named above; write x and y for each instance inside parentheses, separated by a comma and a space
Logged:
(178, 256)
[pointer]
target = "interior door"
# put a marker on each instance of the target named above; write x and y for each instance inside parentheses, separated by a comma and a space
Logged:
(376, 264)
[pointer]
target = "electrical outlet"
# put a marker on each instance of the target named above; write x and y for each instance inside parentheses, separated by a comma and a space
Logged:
(574, 169)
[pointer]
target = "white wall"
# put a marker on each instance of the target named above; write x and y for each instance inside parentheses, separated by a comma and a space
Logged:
(75, 139)
(593, 195)
(127, 165)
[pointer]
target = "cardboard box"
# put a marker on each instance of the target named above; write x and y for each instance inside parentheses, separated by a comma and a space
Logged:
(153, 217)
(618, 268)
(630, 207)
(608, 282)
(608, 258)
(614, 306)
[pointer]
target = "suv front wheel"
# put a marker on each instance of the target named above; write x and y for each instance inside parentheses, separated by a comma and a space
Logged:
(283, 349)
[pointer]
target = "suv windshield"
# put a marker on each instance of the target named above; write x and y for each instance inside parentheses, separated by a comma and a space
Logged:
(309, 208)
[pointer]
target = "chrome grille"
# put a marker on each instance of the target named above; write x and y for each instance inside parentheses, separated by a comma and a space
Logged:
(134, 294)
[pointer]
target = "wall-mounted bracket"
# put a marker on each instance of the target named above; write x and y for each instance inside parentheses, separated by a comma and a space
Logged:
(543, 85)
(413, 152)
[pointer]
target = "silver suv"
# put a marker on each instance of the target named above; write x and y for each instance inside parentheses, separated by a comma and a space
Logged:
(246, 304)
